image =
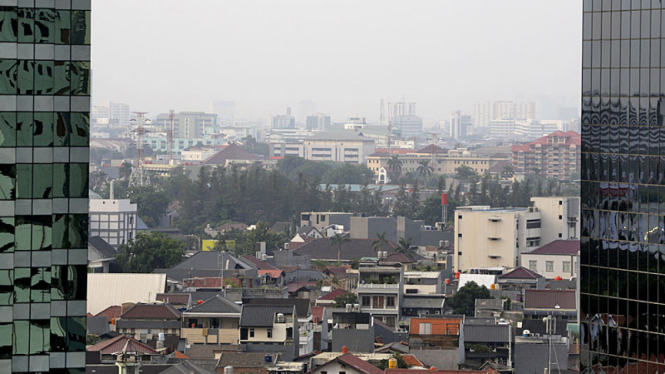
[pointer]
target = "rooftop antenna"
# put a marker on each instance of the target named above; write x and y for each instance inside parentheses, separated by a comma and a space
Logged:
(139, 176)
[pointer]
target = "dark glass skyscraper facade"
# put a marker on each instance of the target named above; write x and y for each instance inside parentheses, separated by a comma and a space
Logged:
(44, 153)
(622, 275)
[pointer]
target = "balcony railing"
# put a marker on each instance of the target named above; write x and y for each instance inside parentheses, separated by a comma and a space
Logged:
(380, 286)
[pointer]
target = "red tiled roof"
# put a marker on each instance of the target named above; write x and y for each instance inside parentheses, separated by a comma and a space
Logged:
(178, 354)
(114, 311)
(412, 360)
(559, 247)
(121, 343)
(549, 299)
(261, 265)
(232, 152)
(151, 311)
(432, 148)
(272, 273)
(521, 273)
(573, 138)
(398, 257)
(358, 364)
(338, 269)
(333, 294)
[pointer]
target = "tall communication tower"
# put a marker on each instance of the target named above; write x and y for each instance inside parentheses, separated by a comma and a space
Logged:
(139, 176)
(169, 135)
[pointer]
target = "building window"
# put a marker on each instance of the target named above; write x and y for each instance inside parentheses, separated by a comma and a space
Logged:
(251, 333)
(425, 328)
(566, 266)
(365, 300)
(390, 301)
(549, 266)
(377, 302)
(269, 333)
(533, 265)
(560, 216)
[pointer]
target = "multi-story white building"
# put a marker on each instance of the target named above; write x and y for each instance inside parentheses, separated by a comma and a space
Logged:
(188, 125)
(114, 220)
(225, 111)
(282, 121)
(380, 290)
(502, 127)
(482, 114)
(486, 237)
(560, 217)
(348, 147)
(459, 124)
(114, 114)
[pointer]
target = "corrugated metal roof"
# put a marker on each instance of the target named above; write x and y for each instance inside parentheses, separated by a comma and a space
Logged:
(105, 290)
(262, 315)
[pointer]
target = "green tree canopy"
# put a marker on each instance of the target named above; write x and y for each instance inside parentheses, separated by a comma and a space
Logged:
(464, 301)
(148, 252)
(345, 298)
(151, 204)
(349, 174)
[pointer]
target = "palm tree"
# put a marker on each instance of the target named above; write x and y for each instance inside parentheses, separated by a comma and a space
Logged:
(395, 166)
(338, 241)
(125, 170)
(424, 169)
(404, 246)
(380, 241)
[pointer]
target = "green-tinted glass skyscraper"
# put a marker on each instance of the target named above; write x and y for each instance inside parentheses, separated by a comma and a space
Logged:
(622, 275)
(44, 143)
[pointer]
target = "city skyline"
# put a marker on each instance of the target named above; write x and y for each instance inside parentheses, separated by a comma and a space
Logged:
(344, 56)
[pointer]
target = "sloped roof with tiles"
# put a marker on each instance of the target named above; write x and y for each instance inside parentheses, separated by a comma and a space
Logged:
(231, 152)
(217, 304)
(174, 298)
(558, 247)
(276, 273)
(114, 311)
(521, 273)
(261, 265)
(352, 361)
(122, 343)
(151, 312)
(332, 295)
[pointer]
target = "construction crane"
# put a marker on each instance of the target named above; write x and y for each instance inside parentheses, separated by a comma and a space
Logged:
(139, 176)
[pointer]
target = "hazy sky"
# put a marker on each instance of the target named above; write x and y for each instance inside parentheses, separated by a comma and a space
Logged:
(345, 55)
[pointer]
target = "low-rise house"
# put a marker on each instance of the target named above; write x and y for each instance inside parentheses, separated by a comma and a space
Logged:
(417, 305)
(521, 279)
(143, 321)
(265, 328)
(556, 259)
(489, 308)
(422, 282)
(438, 342)
(380, 291)
(531, 354)
(541, 303)
(111, 314)
(347, 364)
(271, 277)
(304, 275)
(211, 264)
(321, 330)
(214, 321)
(354, 249)
(487, 342)
(100, 255)
(353, 330)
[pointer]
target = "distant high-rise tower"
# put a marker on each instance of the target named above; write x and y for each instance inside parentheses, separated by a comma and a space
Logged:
(403, 119)
(459, 123)
(482, 115)
(622, 275)
(225, 111)
(44, 156)
(306, 108)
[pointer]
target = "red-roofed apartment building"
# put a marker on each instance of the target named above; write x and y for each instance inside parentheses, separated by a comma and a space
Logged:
(557, 155)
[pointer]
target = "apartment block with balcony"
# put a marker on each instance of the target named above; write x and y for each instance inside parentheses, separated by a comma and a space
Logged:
(145, 321)
(265, 328)
(422, 282)
(380, 291)
(214, 321)
(556, 156)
